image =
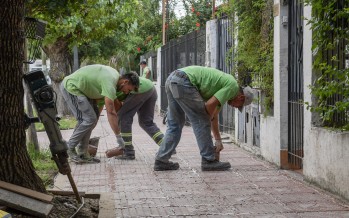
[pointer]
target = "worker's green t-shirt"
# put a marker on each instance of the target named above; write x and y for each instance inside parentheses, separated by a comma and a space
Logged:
(212, 82)
(145, 70)
(93, 81)
(145, 85)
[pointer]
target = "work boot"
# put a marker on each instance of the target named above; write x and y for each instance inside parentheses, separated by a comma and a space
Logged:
(162, 166)
(86, 158)
(174, 152)
(128, 154)
(73, 156)
(214, 165)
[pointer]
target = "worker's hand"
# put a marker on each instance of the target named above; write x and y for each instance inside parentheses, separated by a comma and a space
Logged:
(120, 140)
(218, 145)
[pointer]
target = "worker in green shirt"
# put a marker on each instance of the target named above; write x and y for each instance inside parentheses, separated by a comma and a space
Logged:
(198, 92)
(146, 72)
(81, 90)
(142, 103)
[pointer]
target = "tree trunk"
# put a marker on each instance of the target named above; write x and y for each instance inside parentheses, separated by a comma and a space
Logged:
(59, 68)
(16, 166)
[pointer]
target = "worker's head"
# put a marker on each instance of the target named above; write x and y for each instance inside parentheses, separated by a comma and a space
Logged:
(243, 98)
(128, 82)
(143, 64)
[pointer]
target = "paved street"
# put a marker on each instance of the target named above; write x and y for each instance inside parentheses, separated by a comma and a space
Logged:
(252, 188)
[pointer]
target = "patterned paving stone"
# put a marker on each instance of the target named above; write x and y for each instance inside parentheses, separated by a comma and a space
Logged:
(252, 188)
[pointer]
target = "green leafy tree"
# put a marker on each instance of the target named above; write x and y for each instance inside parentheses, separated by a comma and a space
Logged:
(123, 48)
(199, 12)
(145, 33)
(72, 23)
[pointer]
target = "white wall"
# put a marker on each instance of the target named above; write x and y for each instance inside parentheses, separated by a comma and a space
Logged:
(326, 153)
(326, 159)
(273, 128)
(158, 83)
(211, 44)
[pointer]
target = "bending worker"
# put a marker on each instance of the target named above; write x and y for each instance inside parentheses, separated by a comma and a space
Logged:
(142, 103)
(198, 92)
(81, 90)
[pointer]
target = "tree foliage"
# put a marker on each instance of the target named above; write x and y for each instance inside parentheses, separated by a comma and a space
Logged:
(200, 11)
(197, 13)
(83, 20)
(73, 23)
(254, 50)
(125, 47)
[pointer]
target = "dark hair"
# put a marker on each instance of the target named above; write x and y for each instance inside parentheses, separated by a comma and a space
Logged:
(142, 62)
(133, 78)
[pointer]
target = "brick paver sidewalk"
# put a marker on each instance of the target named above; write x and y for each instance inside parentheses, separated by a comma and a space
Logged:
(252, 188)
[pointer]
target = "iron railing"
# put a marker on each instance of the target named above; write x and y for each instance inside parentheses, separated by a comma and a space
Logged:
(341, 52)
(184, 51)
(295, 85)
(225, 63)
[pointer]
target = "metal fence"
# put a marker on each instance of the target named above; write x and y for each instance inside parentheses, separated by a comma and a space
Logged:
(184, 51)
(295, 86)
(225, 64)
(341, 52)
(190, 50)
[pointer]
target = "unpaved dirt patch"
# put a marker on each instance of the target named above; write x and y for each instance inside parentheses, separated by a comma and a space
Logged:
(66, 206)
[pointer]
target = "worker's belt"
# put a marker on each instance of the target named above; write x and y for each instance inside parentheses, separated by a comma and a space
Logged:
(180, 74)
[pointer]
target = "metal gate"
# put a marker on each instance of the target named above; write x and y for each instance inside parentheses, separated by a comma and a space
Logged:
(184, 51)
(295, 85)
(225, 64)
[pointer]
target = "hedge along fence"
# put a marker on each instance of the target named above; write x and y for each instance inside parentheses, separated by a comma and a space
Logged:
(253, 59)
(330, 26)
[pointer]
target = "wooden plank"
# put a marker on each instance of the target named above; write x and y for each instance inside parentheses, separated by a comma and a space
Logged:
(25, 204)
(64, 193)
(26, 192)
(106, 206)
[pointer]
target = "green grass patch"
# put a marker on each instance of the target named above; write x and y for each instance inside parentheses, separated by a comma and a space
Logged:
(44, 166)
(67, 122)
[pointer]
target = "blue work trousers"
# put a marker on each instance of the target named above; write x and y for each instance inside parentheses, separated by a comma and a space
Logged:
(184, 99)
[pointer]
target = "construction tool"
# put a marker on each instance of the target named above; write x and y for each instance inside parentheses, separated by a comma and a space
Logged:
(44, 99)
